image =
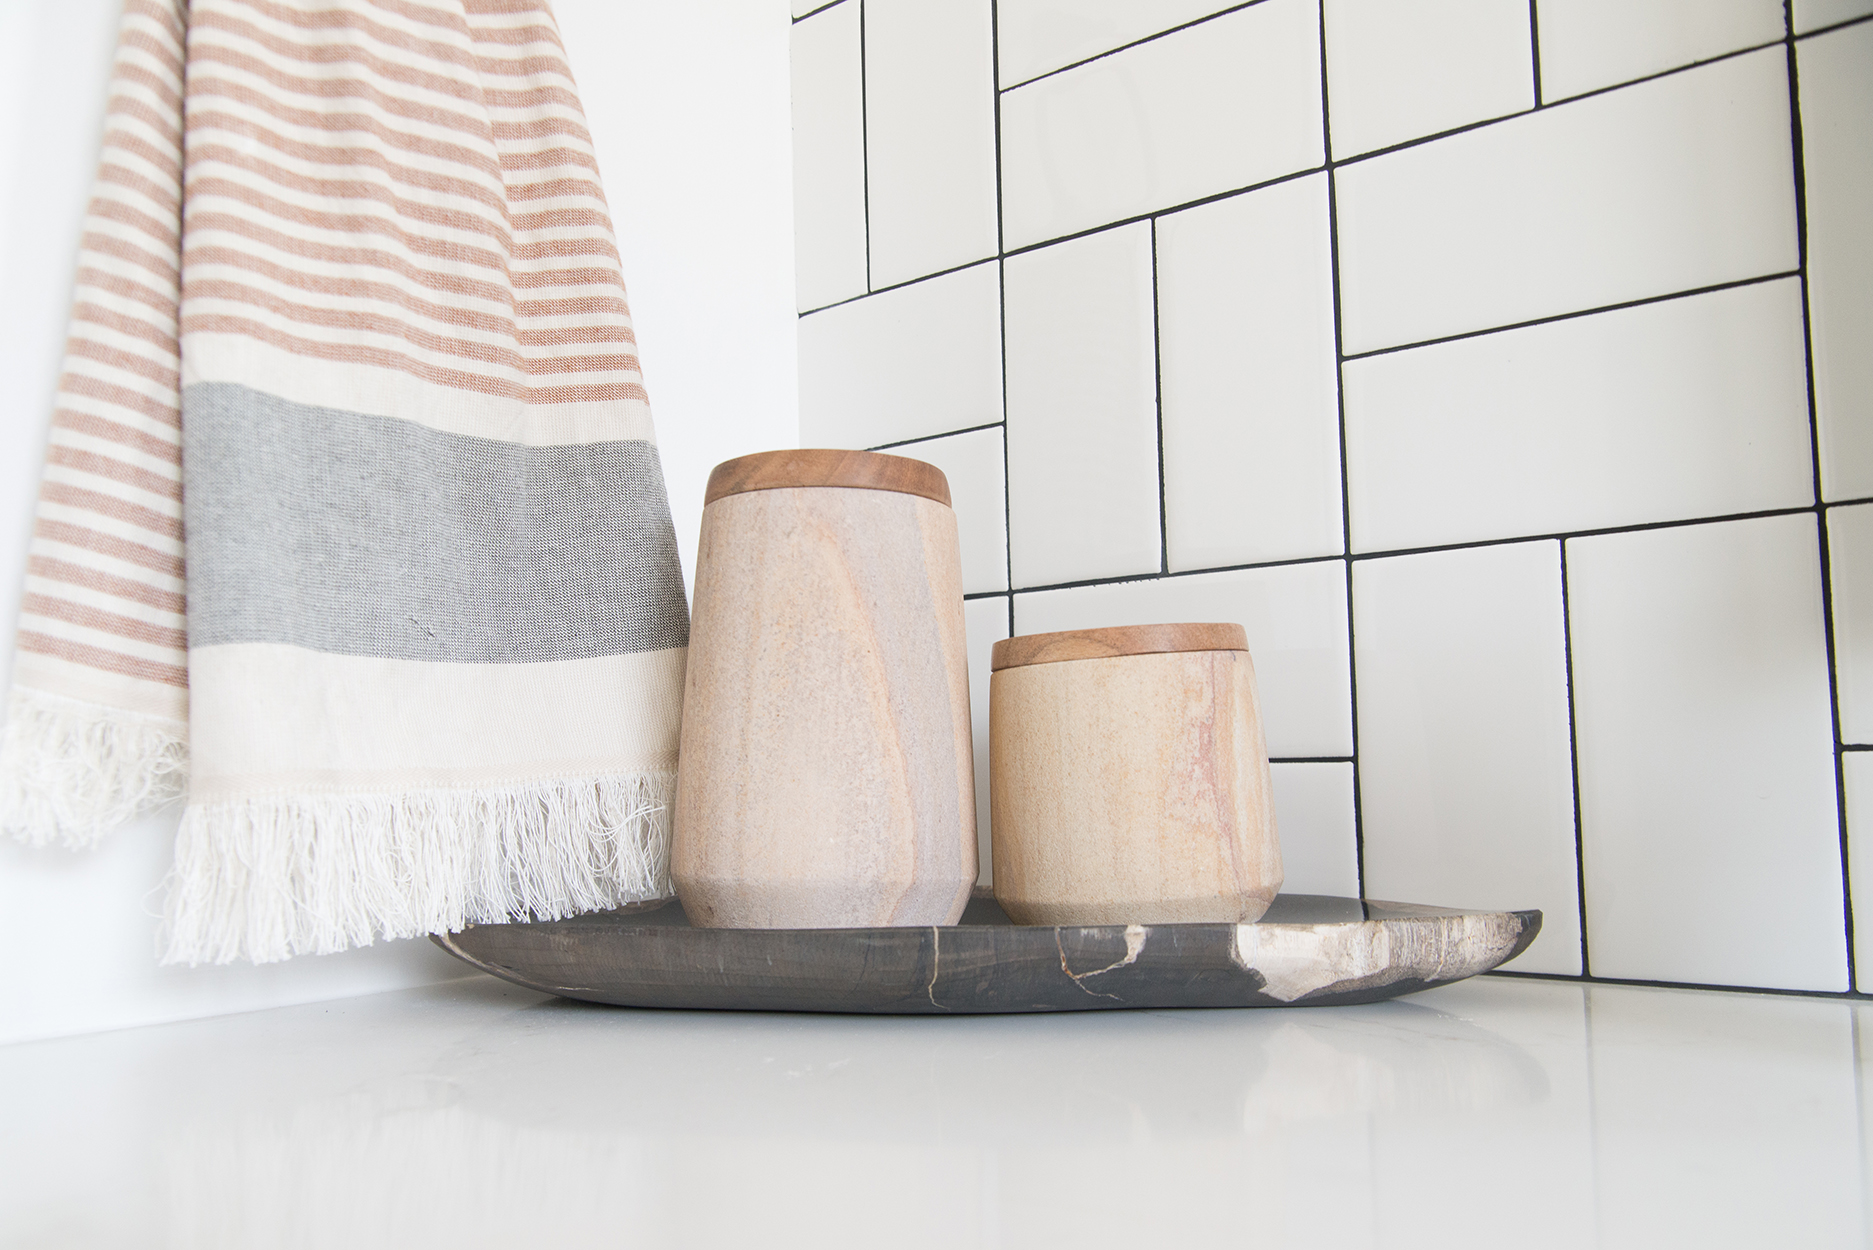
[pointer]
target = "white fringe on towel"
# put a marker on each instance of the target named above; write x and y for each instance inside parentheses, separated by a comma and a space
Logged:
(265, 879)
(72, 772)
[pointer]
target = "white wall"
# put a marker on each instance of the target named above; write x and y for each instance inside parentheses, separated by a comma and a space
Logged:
(688, 105)
(1468, 369)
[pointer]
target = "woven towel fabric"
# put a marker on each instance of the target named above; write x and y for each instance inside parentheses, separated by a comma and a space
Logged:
(349, 317)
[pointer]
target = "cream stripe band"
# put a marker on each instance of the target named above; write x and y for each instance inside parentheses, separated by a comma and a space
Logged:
(427, 668)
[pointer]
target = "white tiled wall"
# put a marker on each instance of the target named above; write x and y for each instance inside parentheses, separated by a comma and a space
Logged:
(1837, 143)
(1463, 734)
(1082, 409)
(1590, 44)
(1850, 556)
(1480, 370)
(1250, 404)
(929, 137)
(1200, 111)
(829, 158)
(1685, 408)
(1402, 71)
(1812, 16)
(1670, 185)
(1707, 754)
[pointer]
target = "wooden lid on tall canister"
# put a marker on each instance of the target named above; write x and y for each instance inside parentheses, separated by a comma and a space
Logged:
(815, 466)
(1100, 644)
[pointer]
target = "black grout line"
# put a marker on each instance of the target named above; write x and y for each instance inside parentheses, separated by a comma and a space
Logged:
(1331, 164)
(1166, 211)
(896, 286)
(1641, 302)
(1124, 47)
(1799, 172)
(931, 438)
(1828, 30)
(1347, 556)
(1357, 557)
(1856, 746)
(816, 12)
(1122, 579)
(1001, 305)
(1573, 761)
(1274, 182)
(1642, 983)
(1339, 402)
(1157, 401)
(1483, 123)
(1635, 528)
(1534, 48)
(1310, 759)
(864, 138)
(1390, 552)
(1663, 73)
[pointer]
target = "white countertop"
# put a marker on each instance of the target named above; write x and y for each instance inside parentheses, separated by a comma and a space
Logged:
(1525, 1113)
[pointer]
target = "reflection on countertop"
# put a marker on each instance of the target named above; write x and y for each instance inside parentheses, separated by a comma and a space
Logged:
(477, 1114)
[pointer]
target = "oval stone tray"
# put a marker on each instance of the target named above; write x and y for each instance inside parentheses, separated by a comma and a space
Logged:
(1308, 950)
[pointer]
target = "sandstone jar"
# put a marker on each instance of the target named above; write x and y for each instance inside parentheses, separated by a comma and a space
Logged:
(825, 778)
(1129, 778)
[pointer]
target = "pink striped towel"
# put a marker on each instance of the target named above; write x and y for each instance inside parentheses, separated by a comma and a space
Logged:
(349, 315)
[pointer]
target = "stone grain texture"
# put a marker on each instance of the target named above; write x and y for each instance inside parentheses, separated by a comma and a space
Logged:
(1131, 787)
(826, 775)
(1309, 950)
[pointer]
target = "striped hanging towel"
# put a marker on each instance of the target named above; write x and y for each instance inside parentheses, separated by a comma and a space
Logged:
(349, 315)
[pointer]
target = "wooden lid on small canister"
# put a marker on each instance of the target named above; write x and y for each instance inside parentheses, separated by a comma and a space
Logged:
(815, 466)
(1099, 644)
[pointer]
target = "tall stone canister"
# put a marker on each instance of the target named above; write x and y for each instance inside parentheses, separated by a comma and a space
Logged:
(826, 778)
(1129, 780)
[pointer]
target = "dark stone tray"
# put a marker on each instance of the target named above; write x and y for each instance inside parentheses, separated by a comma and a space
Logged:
(1308, 950)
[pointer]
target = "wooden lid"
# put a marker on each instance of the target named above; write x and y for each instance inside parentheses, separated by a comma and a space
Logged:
(1099, 644)
(857, 470)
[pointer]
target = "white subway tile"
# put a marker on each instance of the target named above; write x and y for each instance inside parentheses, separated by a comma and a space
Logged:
(1315, 821)
(1850, 560)
(1082, 410)
(1685, 408)
(1670, 185)
(1466, 780)
(1400, 71)
(1589, 44)
(930, 136)
(1040, 36)
(1708, 818)
(1815, 14)
(1251, 400)
(986, 621)
(973, 464)
(828, 158)
(1231, 102)
(1295, 616)
(1857, 774)
(1836, 75)
(919, 360)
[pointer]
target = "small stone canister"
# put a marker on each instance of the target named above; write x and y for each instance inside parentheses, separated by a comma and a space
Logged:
(1129, 778)
(826, 777)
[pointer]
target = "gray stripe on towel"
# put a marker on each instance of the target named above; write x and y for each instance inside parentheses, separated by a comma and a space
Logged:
(362, 535)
